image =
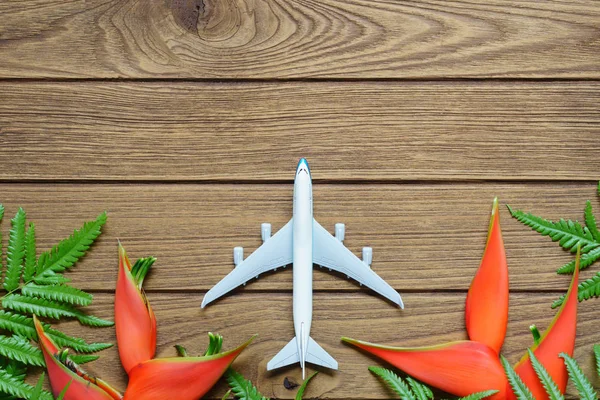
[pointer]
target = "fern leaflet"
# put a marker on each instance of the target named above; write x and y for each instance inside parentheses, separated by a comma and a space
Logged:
(242, 389)
(30, 254)
(50, 278)
(17, 348)
(68, 251)
(16, 251)
(479, 395)
(545, 378)
(597, 346)
(9, 384)
(585, 290)
(584, 387)
(590, 221)
(81, 359)
(519, 388)
(394, 382)
(421, 391)
(62, 293)
(586, 260)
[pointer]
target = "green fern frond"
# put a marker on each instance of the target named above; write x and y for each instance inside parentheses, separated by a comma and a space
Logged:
(421, 391)
(480, 395)
(50, 278)
(37, 391)
(302, 388)
(394, 382)
(584, 387)
(68, 251)
(50, 309)
(585, 290)
(569, 234)
(17, 388)
(586, 260)
(23, 326)
(1, 212)
(21, 350)
(590, 221)
(242, 389)
(545, 378)
(16, 251)
(519, 388)
(30, 254)
(597, 353)
(15, 368)
(61, 293)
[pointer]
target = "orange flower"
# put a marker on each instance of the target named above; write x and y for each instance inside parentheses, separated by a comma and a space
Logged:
(460, 368)
(62, 373)
(135, 322)
(486, 311)
(189, 378)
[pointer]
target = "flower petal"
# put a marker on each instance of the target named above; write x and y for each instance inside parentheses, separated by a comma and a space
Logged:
(59, 375)
(558, 338)
(135, 322)
(189, 377)
(460, 368)
(486, 311)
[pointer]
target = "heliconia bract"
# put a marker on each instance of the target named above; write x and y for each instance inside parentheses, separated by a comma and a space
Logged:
(460, 368)
(486, 311)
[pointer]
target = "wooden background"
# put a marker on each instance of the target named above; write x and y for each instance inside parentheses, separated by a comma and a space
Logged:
(184, 119)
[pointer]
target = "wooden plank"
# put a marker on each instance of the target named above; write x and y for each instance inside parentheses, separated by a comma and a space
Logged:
(425, 237)
(256, 132)
(431, 319)
(291, 39)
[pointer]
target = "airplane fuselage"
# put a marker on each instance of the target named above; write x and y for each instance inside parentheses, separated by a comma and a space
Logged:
(302, 258)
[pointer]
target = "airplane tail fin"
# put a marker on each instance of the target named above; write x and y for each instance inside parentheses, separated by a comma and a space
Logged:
(315, 354)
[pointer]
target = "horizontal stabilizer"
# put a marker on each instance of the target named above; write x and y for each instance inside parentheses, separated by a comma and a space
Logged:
(288, 355)
(317, 355)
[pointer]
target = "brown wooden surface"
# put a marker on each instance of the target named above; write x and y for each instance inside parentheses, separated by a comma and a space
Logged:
(299, 39)
(427, 319)
(184, 119)
(256, 132)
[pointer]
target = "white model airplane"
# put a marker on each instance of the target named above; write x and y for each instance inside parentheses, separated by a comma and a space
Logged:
(302, 242)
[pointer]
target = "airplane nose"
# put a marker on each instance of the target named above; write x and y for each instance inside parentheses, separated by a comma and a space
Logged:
(303, 167)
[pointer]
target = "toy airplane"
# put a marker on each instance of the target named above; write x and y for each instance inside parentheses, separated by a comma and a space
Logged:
(302, 242)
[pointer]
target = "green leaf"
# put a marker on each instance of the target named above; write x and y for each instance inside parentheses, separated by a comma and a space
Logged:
(80, 359)
(181, 351)
(23, 325)
(421, 391)
(50, 278)
(590, 221)
(16, 251)
(37, 391)
(302, 388)
(587, 259)
(215, 342)
(1, 212)
(30, 254)
(519, 388)
(49, 309)
(60, 293)
(62, 394)
(226, 396)
(70, 250)
(17, 388)
(585, 290)
(537, 337)
(394, 382)
(479, 395)
(19, 349)
(569, 234)
(545, 378)
(141, 268)
(242, 388)
(16, 368)
(584, 387)
(597, 351)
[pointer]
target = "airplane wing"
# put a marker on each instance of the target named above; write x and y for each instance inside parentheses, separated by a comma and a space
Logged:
(274, 253)
(329, 252)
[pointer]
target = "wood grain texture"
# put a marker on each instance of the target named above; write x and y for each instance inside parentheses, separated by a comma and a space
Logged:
(428, 319)
(298, 39)
(425, 237)
(381, 131)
